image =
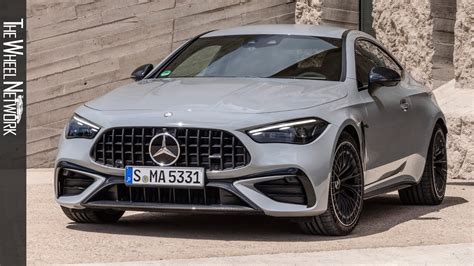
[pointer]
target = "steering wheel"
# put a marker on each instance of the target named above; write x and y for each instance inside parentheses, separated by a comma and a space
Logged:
(311, 74)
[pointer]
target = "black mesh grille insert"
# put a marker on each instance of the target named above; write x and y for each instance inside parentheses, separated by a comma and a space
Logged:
(208, 148)
(72, 183)
(163, 195)
(287, 190)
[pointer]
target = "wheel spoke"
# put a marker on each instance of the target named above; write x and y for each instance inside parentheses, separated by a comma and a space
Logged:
(347, 167)
(349, 178)
(441, 170)
(350, 200)
(357, 193)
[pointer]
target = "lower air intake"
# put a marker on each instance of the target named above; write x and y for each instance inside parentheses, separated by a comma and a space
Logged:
(72, 183)
(204, 196)
(287, 190)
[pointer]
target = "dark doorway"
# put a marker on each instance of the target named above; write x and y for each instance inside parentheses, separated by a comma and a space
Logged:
(365, 17)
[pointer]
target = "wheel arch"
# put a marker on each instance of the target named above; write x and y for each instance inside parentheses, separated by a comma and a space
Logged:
(442, 123)
(351, 130)
(356, 131)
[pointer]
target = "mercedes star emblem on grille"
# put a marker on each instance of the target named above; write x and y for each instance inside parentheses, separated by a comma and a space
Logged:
(164, 149)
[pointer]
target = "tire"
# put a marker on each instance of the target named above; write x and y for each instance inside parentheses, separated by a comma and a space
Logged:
(432, 186)
(92, 216)
(347, 182)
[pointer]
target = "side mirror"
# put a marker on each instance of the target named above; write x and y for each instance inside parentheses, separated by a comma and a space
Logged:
(382, 77)
(141, 72)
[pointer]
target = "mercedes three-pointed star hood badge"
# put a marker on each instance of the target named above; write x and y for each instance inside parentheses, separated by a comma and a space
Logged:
(164, 149)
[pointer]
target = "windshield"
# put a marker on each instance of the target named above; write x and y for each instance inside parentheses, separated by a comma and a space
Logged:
(263, 56)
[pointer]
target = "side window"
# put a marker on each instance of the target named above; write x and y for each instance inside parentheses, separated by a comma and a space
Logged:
(368, 55)
(389, 63)
(364, 63)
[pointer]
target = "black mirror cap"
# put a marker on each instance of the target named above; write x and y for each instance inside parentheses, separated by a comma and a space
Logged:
(141, 72)
(383, 77)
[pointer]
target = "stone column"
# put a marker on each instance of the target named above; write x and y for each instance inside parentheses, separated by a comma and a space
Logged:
(405, 28)
(464, 44)
(443, 13)
(341, 13)
(308, 12)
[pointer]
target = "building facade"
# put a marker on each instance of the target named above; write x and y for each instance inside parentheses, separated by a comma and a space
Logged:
(81, 49)
(432, 38)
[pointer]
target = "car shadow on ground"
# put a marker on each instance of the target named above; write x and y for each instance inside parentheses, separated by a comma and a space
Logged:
(379, 215)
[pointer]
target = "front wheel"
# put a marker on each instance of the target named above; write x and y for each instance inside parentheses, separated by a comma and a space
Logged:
(432, 186)
(346, 193)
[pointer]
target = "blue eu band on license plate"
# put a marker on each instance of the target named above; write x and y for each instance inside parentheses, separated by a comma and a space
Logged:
(164, 176)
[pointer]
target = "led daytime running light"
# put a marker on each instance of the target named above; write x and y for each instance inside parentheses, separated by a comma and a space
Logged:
(282, 125)
(82, 121)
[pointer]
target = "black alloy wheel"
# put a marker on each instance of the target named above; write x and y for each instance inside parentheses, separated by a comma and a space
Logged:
(432, 186)
(440, 164)
(346, 184)
(346, 193)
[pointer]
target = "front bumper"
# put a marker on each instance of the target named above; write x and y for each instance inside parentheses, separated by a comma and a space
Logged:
(269, 162)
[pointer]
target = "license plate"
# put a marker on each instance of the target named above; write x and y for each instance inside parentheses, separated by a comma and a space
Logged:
(164, 176)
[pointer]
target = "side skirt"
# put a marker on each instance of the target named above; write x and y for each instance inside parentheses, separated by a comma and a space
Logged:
(386, 186)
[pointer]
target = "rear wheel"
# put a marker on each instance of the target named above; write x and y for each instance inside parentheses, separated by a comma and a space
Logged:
(345, 193)
(92, 216)
(432, 186)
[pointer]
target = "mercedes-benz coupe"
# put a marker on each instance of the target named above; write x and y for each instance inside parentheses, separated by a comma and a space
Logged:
(282, 120)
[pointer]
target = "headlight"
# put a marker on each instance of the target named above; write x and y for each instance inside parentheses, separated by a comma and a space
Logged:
(296, 132)
(79, 127)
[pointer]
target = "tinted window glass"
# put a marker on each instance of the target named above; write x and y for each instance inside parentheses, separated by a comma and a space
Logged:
(265, 56)
(367, 56)
(365, 61)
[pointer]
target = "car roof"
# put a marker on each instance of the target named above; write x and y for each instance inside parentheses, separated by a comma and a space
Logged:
(285, 29)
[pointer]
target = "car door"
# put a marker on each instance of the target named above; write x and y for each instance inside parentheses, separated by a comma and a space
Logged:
(387, 109)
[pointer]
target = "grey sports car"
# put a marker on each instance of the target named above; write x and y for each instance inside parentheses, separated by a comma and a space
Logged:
(282, 120)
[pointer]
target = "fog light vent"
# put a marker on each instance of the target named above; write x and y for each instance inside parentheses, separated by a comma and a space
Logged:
(72, 183)
(288, 190)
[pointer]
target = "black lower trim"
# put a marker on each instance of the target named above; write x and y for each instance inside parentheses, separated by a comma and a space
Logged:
(144, 206)
(388, 188)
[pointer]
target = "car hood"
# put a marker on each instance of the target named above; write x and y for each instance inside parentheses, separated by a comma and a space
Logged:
(232, 95)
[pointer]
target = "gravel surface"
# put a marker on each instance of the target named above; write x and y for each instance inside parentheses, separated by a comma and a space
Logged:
(52, 238)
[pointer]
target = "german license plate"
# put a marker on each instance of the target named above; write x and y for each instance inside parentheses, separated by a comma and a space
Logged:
(164, 176)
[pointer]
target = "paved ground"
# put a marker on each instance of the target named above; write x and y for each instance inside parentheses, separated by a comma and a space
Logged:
(454, 254)
(388, 232)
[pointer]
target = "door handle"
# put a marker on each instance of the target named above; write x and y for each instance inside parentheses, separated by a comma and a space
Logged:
(404, 104)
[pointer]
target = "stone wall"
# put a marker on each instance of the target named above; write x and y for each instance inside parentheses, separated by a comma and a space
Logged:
(341, 13)
(443, 13)
(464, 44)
(81, 49)
(406, 29)
(459, 112)
(308, 12)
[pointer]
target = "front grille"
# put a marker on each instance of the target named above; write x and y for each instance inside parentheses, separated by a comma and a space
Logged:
(288, 190)
(72, 183)
(208, 148)
(163, 195)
